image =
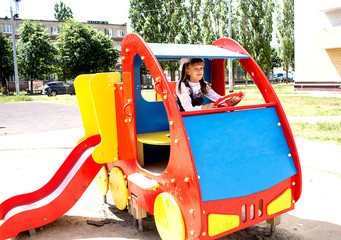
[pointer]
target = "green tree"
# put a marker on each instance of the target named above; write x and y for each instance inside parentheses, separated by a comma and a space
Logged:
(285, 22)
(215, 20)
(6, 61)
(36, 54)
(158, 21)
(62, 12)
(191, 30)
(86, 50)
(268, 57)
(146, 19)
(254, 30)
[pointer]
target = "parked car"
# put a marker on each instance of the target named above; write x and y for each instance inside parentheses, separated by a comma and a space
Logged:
(283, 77)
(54, 88)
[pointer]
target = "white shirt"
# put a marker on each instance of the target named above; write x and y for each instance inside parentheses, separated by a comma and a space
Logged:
(185, 98)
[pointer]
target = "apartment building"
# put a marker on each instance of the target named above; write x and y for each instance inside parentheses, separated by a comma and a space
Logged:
(318, 45)
(115, 31)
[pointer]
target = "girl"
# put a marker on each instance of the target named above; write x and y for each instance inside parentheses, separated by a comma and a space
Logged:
(192, 87)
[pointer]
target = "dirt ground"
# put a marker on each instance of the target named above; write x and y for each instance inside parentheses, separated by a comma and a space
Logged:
(29, 159)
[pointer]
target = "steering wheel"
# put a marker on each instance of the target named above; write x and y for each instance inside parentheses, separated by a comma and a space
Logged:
(230, 99)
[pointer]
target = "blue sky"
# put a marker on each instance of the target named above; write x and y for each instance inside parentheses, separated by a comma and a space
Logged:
(113, 11)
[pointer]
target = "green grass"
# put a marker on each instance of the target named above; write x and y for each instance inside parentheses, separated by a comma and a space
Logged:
(63, 99)
(321, 131)
(5, 99)
(294, 105)
(299, 106)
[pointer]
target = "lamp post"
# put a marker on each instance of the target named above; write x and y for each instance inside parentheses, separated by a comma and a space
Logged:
(230, 59)
(14, 54)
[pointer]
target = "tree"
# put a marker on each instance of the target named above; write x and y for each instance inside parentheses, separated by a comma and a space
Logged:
(158, 21)
(146, 19)
(254, 30)
(6, 61)
(86, 50)
(268, 57)
(285, 22)
(191, 30)
(35, 52)
(215, 20)
(62, 12)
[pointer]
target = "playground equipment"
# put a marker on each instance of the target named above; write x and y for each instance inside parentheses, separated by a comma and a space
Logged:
(202, 174)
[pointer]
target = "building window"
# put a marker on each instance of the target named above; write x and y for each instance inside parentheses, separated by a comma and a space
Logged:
(55, 31)
(108, 32)
(6, 28)
(120, 33)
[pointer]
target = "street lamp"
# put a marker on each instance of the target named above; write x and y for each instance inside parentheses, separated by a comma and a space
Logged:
(14, 52)
(230, 59)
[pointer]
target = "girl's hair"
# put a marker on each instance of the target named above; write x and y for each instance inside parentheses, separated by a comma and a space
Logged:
(185, 77)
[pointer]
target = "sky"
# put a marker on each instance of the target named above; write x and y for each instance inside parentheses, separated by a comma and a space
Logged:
(113, 11)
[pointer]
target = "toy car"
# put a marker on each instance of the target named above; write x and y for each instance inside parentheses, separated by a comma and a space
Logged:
(201, 174)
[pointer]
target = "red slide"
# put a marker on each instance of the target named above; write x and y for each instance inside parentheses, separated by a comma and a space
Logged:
(36, 209)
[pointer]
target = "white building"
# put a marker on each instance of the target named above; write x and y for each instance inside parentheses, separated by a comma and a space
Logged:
(318, 45)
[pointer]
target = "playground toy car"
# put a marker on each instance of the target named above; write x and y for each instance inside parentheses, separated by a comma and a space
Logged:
(201, 174)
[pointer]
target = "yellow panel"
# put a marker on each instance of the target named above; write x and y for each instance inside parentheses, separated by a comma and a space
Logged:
(158, 97)
(282, 202)
(86, 106)
(168, 218)
(102, 181)
(154, 138)
(219, 223)
(118, 188)
(103, 97)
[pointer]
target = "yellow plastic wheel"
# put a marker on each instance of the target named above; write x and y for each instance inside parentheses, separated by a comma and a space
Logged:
(118, 188)
(168, 218)
(102, 181)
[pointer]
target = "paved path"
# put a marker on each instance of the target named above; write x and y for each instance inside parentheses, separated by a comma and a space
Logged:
(33, 116)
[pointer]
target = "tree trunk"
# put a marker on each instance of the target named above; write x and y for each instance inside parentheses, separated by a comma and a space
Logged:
(172, 63)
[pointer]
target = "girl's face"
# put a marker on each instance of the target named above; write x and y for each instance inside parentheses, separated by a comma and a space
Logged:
(195, 71)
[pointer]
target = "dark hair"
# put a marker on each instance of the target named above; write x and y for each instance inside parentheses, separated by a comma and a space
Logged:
(185, 77)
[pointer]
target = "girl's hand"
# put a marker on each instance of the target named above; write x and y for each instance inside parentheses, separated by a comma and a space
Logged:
(208, 106)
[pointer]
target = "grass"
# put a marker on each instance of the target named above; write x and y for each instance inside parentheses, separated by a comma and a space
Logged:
(63, 99)
(296, 104)
(20, 98)
(311, 106)
(329, 131)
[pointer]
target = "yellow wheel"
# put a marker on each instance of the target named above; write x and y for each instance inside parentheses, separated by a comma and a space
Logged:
(168, 218)
(102, 181)
(118, 188)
